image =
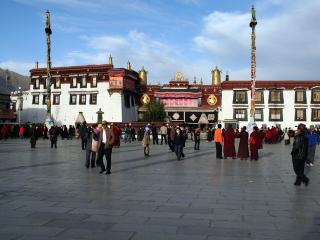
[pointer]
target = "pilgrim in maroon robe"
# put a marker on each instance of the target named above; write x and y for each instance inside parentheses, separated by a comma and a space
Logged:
(255, 143)
(117, 133)
(243, 150)
(274, 133)
(228, 148)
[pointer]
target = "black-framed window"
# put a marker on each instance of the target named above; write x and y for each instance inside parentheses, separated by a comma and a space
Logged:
(300, 114)
(56, 99)
(240, 114)
(240, 97)
(127, 100)
(259, 97)
(73, 82)
(36, 84)
(276, 96)
(300, 96)
(94, 82)
(57, 83)
(82, 99)
(73, 99)
(93, 98)
(83, 82)
(315, 114)
(258, 114)
(315, 95)
(44, 99)
(44, 82)
(276, 114)
(35, 99)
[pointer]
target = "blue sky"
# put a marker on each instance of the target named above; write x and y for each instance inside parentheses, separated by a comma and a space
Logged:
(191, 36)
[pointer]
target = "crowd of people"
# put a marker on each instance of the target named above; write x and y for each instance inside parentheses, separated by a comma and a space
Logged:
(99, 139)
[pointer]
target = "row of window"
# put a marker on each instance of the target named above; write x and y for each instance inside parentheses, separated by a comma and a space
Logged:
(128, 99)
(276, 114)
(72, 101)
(73, 84)
(276, 96)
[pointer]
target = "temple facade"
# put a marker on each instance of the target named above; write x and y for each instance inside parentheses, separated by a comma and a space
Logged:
(191, 103)
(82, 92)
(122, 94)
(277, 103)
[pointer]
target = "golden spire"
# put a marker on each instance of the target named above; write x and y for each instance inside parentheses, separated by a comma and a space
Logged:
(110, 60)
(37, 65)
(216, 76)
(143, 76)
(129, 65)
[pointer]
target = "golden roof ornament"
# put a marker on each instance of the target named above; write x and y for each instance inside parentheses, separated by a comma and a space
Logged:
(143, 76)
(129, 66)
(145, 99)
(179, 77)
(110, 60)
(216, 76)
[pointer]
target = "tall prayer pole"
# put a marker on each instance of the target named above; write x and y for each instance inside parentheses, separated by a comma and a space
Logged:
(49, 121)
(253, 24)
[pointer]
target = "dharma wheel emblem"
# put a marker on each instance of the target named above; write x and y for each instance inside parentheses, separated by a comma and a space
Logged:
(145, 99)
(212, 100)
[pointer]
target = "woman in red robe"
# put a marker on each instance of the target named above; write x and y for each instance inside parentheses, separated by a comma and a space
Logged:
(228, 148)
(255, 143)
(243, 150)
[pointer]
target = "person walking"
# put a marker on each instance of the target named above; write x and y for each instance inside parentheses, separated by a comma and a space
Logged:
(243, 150)
(218, 139)
(53, 133)
(255, 142)
(229, 149)
(172, 137)
(92, 146)
(155, 139)
(286, 137)
(84, 135)
(197, 138)
(163, 132)
(179, 142)
(106, 141)
(299, 155)
(33, 136)
(146, 143)
(312, 144)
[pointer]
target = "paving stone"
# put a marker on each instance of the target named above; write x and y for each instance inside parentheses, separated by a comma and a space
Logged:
(31, 230)
(95, 234)
(49, 194)
(162, 236)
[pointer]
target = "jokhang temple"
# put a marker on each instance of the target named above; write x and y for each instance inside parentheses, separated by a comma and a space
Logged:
(192, 103)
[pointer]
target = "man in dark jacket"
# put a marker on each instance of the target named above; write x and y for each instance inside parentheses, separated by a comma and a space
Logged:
(299, 155)
(84, 132)
(179, 142)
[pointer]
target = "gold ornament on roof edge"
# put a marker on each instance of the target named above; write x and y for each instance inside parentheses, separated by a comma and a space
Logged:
(179, 77)
(212, 100)
(145, 99)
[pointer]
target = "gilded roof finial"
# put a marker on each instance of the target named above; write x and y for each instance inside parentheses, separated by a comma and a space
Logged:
(110, 60)
(143, 76)
(227, 76)
(201, 81)
(129, 65)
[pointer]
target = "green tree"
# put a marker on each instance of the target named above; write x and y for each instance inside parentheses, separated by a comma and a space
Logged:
(154, 113)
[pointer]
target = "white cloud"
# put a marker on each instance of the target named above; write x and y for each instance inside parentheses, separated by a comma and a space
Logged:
(160, 59)
(287, 43)
(19, 67)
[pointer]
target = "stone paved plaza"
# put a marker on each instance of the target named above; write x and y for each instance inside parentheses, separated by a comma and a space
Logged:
(49, 194)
